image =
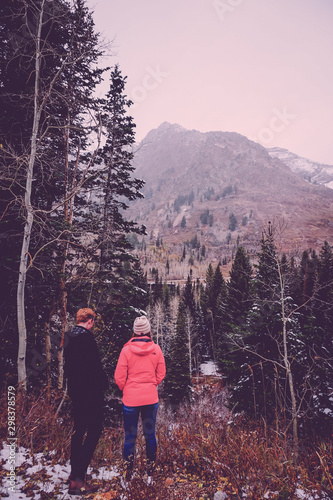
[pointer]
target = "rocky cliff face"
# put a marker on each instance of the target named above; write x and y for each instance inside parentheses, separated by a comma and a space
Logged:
(196, 182)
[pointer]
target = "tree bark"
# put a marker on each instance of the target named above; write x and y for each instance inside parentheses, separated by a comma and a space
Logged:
(287, 365)
(189, 338)
(22, 329)
(63, 291)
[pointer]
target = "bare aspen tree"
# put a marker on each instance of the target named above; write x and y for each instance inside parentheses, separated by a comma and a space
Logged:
(22, 329)
(289, 374)
(189, 327)
(158, 310)
(73, 61)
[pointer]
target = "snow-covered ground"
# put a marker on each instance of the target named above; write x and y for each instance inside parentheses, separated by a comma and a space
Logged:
(47, 476)
(50, 478)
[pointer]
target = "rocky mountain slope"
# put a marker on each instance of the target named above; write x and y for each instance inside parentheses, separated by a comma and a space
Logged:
(225, 188)
(317, 173)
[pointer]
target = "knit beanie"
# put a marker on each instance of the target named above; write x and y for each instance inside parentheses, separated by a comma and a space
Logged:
(141, 326)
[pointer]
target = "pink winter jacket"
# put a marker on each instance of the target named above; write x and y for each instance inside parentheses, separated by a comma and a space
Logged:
(140, 369)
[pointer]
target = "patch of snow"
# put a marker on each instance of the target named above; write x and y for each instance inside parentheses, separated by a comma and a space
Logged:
(139, 312)
(314, 172)
(58, 475)
(299, 493)
(209, 368)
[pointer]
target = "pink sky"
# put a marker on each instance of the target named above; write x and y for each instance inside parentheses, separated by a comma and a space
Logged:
(262, 68)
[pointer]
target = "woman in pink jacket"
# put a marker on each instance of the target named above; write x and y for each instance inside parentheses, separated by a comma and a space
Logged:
(140, 369)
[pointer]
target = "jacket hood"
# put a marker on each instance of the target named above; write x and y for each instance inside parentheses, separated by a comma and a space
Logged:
(142, 346)
(76, 331)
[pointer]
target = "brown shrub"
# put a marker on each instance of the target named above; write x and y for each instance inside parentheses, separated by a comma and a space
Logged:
(201, 448)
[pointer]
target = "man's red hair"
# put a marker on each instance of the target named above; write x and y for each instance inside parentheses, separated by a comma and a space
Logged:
(83, 315)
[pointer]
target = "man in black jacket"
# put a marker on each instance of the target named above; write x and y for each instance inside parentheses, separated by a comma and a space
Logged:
(87, 382)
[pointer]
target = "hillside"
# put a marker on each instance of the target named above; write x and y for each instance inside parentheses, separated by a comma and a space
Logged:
(317, 173)
(195, 182)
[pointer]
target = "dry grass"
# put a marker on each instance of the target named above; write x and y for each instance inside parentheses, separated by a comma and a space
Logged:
(43, 422)
(202, 449)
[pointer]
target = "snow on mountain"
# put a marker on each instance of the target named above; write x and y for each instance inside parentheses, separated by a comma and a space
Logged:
(316, 173)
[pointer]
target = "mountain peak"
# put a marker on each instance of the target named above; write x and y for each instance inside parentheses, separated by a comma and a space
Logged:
(191, 174)
(165, 127)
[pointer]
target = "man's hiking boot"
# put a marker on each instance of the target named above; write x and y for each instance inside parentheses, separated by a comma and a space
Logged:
(79, 487)
(70, 478)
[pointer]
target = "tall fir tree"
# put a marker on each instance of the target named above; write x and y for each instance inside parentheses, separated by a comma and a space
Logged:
(319, 344)
(112, 284)
(177, 386)
(188, 295)
(239, 287)
(233, 310)
(214, 292)
(253, 389)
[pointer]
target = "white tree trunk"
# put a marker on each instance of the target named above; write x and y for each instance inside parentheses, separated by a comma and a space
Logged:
(189, 338)
(22, 330)
(287, 364)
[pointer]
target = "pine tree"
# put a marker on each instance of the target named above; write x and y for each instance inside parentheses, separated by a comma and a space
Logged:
(188, 295)
(218, 288)
(49, 46)
(177, 385)
(111, 282)
(254, 346)
(232, 222)
(157, 294)
(214, 290)
(239, 287)
(203, 342)
(319, 343)
(140, 297)
(116, 158)
(233, 313)
(307, 276)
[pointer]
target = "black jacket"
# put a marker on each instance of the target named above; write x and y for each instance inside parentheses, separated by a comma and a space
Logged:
(83, 368)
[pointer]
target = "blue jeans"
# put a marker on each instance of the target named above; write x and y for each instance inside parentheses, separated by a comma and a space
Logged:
(131, 420)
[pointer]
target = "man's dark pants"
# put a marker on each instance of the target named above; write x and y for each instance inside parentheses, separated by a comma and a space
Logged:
(88, 418)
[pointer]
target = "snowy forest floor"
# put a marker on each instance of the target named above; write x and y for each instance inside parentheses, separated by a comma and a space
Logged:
(204, 453)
